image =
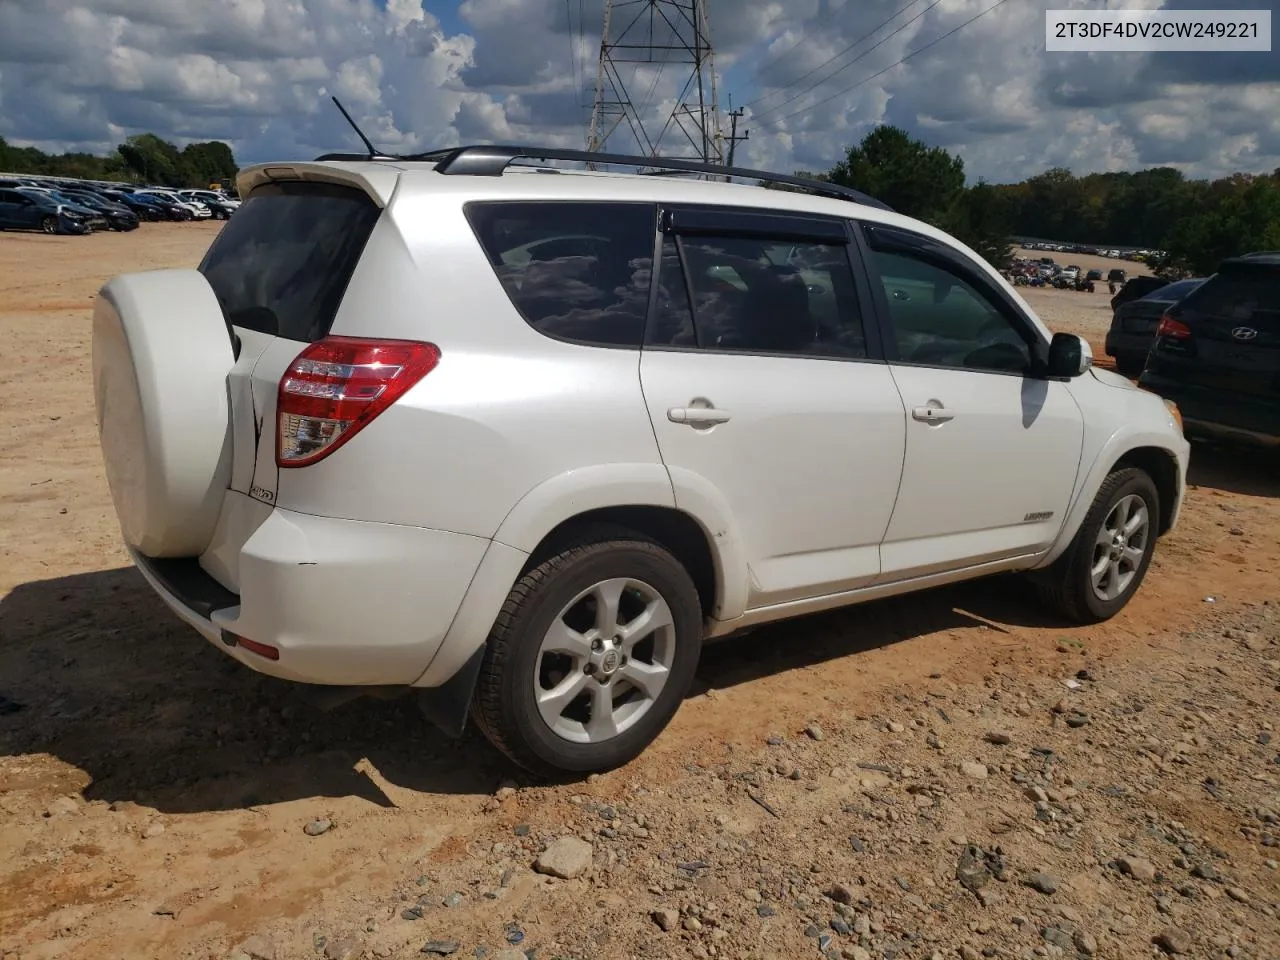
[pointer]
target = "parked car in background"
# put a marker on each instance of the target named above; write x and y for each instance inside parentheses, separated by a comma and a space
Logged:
(221, 206)
(1134, 323)
(92, 218)
(1135, 288)
(1217, 353)
(198, 210)
(118, 216)
(22, 210)
(148, 210)
(174, 209)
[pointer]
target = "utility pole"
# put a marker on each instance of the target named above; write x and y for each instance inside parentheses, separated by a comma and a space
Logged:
(657, 36)
(733, 132)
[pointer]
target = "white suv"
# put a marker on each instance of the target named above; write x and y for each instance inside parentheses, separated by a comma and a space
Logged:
(521, 438)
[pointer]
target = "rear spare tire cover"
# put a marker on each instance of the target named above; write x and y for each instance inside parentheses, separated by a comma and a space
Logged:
(161, 356)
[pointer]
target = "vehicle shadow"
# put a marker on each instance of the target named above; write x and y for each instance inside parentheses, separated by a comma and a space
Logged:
(113, 684)
(1233, 469)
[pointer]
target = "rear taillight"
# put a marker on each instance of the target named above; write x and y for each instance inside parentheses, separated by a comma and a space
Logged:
(1173, 329)
(336, 386)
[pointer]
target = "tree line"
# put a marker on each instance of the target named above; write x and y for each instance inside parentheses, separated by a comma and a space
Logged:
(1197, 222)
(144, 158)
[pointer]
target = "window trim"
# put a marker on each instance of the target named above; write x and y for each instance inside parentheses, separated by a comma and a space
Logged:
(678, 221)
(943, 256)
(750, 222)
(655, 251)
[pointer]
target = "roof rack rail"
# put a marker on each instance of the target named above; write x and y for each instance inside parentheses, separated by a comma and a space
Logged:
(356, 157)
(492, 161)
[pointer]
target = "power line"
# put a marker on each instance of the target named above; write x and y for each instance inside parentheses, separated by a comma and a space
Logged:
(878, 73)
(837, 55)
(863, 55)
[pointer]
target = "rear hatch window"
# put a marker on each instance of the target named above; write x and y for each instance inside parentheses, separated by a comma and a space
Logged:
(1240, 295)
(281, 265)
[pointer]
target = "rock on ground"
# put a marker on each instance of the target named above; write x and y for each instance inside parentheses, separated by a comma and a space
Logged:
(566, 858)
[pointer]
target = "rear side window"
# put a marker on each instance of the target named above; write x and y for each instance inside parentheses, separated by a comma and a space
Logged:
(764, 295)
(282, 264)
(576, 271)
(1244, 294)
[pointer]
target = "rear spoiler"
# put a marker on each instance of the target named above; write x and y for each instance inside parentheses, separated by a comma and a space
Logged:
(378, 180)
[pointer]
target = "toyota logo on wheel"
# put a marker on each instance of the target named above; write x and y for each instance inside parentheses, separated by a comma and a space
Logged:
(1244, 333)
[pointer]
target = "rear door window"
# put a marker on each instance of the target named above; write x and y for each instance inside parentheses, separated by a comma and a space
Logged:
(575, 271)
(282, 264)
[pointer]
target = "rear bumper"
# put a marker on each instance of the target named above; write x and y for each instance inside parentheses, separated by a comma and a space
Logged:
(1214, 414)
(345, 602)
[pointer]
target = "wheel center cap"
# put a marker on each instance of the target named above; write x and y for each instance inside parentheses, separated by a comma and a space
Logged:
(609, 662)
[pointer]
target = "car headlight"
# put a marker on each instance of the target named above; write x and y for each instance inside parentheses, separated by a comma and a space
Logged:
(1175, 414)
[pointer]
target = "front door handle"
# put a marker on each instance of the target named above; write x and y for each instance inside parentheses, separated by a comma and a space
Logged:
(698, 416)
(932, 413)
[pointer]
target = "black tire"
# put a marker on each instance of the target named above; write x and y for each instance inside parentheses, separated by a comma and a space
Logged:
(1067, 585)
(49, 225)
(504, 706)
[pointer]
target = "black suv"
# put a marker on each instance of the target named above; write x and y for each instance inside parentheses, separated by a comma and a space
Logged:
(1217, 353)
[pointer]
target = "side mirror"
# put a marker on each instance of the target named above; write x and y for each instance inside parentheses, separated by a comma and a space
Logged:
(1069, 356)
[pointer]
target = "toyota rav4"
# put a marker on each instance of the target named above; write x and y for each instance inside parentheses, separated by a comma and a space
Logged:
(520, 438)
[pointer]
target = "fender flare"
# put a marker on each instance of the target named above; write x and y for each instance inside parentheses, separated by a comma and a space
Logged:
(1116, 446)
(563, 497)
(568, 495)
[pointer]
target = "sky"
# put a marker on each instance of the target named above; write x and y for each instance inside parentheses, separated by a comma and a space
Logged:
(813, 77)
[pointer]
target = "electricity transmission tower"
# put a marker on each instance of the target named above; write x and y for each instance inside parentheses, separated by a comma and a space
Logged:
(659, 34)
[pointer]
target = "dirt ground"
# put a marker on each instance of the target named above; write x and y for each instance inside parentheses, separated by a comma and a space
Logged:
(947, 775)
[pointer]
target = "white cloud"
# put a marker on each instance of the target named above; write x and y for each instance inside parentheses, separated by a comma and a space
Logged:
(80, 74)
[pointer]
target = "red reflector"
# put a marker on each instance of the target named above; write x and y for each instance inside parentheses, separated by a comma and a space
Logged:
(336, 386)
(1173, 329)
(261, 649)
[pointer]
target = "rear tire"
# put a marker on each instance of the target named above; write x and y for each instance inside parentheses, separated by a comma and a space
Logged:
(1108, 557)
(613, 624)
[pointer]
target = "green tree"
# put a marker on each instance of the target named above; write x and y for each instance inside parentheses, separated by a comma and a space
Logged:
(153, 160)
(980, 218)
(1236, 215)
(915, 179)
(204, 163)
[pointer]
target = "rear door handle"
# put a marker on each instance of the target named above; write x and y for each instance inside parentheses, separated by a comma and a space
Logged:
(698, 416)
(932, 413)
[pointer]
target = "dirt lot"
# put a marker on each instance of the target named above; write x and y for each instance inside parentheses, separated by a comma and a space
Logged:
(952, 775)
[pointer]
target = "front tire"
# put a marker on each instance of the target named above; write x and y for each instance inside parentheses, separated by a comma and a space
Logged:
(49, 225)
(591, 656)
(1109, 555)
